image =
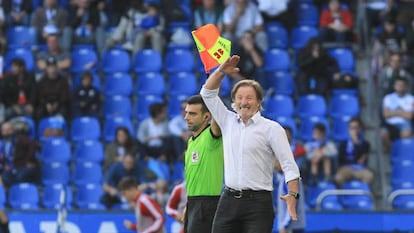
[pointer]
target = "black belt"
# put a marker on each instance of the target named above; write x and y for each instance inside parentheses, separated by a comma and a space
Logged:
(243, 192)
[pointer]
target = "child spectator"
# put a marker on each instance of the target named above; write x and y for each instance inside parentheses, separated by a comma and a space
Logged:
(87, 99)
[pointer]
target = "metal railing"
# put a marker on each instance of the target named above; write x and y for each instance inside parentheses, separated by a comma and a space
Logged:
(341, 192)
(398, 192)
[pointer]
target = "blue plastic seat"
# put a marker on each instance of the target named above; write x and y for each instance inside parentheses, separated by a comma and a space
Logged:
(345, 59)
(29, 121)
(89, 151)
(174, 104)
(112, 123)
(117, 105)
(307, 124)
(55, 150)
(118, 84)
(402, 149)
(24, 196)
(401, 171)
(20, 36)
(56, 122)
(88, 197)
(86, 173)
(182, 83)
(282, 82)
(85, 128)
(307, 14)
(276, 60)
(83, 59)
(287, 122)
(3, 197)
(52, 197)
(344, 105)
(179, 60)
(55, 173)
(301, 34)
(311, 105)
(340, 130)
(151, 83)
(279, 105)
(277, 35)
(23, 53)
(403, 202)
(330, 202)
(147, 60)
(143, 103)
(116, 60)
(358, 201)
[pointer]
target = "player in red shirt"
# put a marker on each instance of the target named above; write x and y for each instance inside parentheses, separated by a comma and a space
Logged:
(176, 204)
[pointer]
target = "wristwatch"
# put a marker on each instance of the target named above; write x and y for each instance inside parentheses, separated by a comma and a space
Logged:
(294, 194)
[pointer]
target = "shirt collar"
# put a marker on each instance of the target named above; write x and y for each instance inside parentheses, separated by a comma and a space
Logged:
(254, 119)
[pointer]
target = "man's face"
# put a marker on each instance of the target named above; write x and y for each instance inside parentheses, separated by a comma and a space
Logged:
(6, 130)
(245, 102)
(129, 195)
(129, 163)
(194, 117)
(52, 42)
(400, 87)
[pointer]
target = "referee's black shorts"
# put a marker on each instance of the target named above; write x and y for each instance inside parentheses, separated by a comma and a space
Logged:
(200, 214)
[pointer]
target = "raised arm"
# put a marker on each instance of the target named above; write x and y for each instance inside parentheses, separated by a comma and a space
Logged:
(227, 67)
(215, 129)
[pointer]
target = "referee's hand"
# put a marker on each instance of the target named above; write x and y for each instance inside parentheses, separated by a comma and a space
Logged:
(291, 205)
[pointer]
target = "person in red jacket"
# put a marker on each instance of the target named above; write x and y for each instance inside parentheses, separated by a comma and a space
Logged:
(176, 204)
(336, 23)
(149, 216)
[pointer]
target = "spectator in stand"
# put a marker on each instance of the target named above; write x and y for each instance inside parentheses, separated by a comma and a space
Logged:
(278, 11)
(390, 72)
(316, 69)
(19, 90)
(4, 222)
(122, 145)
(141, 22)
(63, 58)
(336, 23)
(298, 149)
(176, 204)
(241, 16)
(159, 192)
(17, 12)
(87, 99)
(320, 150)
(353, 156)
(52, 92)
(397, 113)
(345, 81)
(378, 10)
(179, 132)
(24, 164)
(7, 145)
(52, 19)
(209, 12)
(117, 9)
(148, 213)
(84, 20)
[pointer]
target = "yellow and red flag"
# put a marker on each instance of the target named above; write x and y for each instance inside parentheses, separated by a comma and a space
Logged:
(213, 48)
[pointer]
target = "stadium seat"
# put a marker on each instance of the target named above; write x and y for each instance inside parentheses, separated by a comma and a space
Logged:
(3, 197)
(21, 36)
(55, 173)
(287, 122)
(20, 199)
(276, 60)
(115, 60)
(51, 198)
(29, 121)
(96, 80)
(225, 88)
(307, 14)
(117, 105)
(55, 150)
(182, 83)
(340, 128)
(118, 84)
(151, 83)
(56, 122)
(345, 91)
(88, 197)
(23, 53)
(345, 59)
(357, 202)
(147, 60)
(311, 105)
(402, 149)
(174, 104)
(112, 123)
(89, 151)
(279, 105)
(83, 59)
(143, 103)
(300, 36)
(307, 124)
(277, 35)
(330, 202)
(404, 202)
(86, 173)
(179, 60)
(85, 128)
(282, 82)
(344, 105)
(401, 171)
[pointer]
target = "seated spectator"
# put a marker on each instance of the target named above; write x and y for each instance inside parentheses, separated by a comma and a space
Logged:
(141, 22)
(241, 16)
(298, 149)
(316, 69)
(52, 19)
(18, 12)
(179, 132)
(53, 49)
(336, 23)
(392, 70)
(7, 144)
(118, 170)
(378, 10)
(52, 92)
(320, 150)
(19, 90)
(122, 145)
(87, 99)
(24, 165)
(158, 190)
(397, 113)
(209, 12)
(353, 156)
(117, 9)
(345, 81)
(4, 222)
(278, 11)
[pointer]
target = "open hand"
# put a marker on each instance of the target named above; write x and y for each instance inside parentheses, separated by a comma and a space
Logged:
(291, 205)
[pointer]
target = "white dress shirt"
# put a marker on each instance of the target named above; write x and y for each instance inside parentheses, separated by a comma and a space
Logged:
(250, 150)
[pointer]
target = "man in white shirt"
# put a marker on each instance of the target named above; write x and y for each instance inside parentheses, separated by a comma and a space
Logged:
(252, 144)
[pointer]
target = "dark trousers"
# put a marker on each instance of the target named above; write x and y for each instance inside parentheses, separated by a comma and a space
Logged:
(244, 212)
(200, 214)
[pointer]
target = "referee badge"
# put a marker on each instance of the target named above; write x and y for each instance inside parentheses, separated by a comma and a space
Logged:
(194, 157)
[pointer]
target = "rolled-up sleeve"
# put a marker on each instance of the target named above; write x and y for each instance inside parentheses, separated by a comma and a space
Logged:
(214, 104)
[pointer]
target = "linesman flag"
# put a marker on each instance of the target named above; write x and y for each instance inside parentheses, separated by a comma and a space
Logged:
(213, 48)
